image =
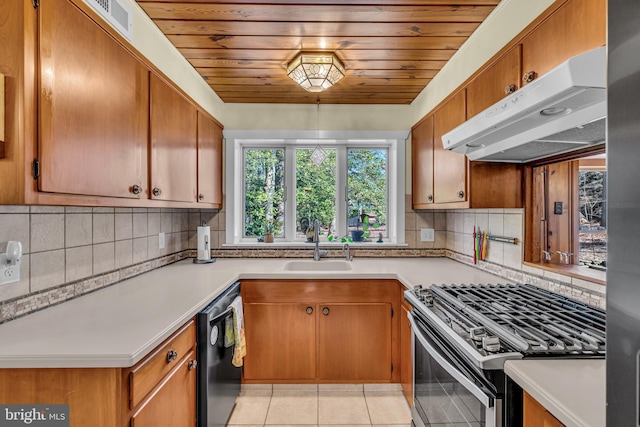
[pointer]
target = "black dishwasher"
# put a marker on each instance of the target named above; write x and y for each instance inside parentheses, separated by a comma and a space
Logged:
(218, 380)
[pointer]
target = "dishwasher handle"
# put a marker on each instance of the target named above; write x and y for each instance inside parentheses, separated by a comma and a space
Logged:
(221, 316)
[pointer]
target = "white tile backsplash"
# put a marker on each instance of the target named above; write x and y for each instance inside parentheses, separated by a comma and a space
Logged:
(103, 227)
(47, 269)
(72, 250)
(78, 229)
(47, 232)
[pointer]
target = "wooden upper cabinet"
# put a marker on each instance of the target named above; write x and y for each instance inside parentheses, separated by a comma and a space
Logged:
(449, 168)
(576, 27)
(93, 108)
(173, 144)
(209, 161)
(496, 82)
(422, 163)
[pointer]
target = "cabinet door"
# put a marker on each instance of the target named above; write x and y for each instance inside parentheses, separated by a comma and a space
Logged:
(535, 415)
(578, 26)
(281, 341)
(354, 342)
(209, 161)
(498, 81)
(173, 403)
(422, 163)
(449, 168)
(406, 355)
(93, 108)
(173, 144)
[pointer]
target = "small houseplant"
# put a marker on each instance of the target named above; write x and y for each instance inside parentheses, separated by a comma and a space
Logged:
(268, 232)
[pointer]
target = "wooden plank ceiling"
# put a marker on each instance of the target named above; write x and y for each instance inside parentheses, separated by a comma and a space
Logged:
(391, 49)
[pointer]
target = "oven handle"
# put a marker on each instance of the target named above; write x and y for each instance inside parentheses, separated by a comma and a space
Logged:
(452, 370)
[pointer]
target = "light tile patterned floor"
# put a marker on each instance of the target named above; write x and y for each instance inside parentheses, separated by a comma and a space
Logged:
(381, 405)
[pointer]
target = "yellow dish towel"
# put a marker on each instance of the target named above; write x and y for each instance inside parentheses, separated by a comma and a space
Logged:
(240, 349)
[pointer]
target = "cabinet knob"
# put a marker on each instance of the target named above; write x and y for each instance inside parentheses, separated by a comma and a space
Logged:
(171, 355)
(430, 198)
(325, 311)
(156, 192)
(200, 196)
(136, 189)
(309, 310)
(461, 194)
(193, 364)
(510, 89)
(529, 77)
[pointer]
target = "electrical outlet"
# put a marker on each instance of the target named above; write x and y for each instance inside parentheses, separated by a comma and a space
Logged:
(427, 235)
(161, 241)
(10, 263)
(9, 274)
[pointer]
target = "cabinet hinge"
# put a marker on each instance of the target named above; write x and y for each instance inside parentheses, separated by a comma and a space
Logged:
(36, 3)
(392, 368)
(36, 169)
(391, 311)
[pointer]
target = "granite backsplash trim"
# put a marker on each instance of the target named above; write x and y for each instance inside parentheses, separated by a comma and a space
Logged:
(332, 253)
(593, 298)
(27, 304)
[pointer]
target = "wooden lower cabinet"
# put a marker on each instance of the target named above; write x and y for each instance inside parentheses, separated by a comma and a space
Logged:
(106, 397)
(281, 341)
(535, 415)
(173, 402)
(354, 342)
(321, 331)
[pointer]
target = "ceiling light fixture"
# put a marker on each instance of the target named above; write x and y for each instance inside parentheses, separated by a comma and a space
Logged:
(316, 72)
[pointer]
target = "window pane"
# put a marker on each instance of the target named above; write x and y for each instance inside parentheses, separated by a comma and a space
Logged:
(593, 219)
(367, 193)
(263, 191)
(315, 193)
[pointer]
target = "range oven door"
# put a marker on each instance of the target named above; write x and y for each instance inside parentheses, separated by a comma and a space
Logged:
(447, 390)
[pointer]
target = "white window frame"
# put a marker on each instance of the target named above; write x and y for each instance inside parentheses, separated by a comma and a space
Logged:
(237, 141)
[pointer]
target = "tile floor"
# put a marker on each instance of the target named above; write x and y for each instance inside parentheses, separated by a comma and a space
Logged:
(320, 405)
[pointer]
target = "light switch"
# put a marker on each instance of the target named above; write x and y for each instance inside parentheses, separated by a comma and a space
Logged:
(427, 235)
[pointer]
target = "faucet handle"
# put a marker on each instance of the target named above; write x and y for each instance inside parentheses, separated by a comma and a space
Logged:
(346, 248)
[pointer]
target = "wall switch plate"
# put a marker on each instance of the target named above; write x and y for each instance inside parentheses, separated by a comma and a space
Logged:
(161, 241)
(427, 235)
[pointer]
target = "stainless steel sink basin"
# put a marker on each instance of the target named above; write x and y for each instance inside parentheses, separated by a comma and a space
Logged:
(326, 265)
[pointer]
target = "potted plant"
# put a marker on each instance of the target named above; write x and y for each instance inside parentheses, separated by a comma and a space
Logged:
(268, 232)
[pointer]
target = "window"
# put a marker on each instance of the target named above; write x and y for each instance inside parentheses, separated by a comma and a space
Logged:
(568, 214)
(592, 184)
(263, 191)
(356, 192)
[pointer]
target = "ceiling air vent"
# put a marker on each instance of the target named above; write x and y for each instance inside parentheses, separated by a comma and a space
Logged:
(118, 14)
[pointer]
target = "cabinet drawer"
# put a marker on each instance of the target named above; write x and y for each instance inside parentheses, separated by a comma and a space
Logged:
(148, 373)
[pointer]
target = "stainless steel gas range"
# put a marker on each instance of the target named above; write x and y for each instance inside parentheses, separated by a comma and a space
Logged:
(463, 334)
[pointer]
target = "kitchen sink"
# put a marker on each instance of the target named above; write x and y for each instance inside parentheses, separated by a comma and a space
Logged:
(325, 265)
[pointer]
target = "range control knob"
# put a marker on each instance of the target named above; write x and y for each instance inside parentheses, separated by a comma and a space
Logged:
(477, 334)
(491, 344)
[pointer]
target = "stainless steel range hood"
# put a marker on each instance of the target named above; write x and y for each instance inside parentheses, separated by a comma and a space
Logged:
(563, 110)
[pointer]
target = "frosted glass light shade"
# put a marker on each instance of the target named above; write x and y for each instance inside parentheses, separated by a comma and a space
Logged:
(316, 72)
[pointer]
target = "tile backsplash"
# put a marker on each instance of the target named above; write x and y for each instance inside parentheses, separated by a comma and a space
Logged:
(69, 251)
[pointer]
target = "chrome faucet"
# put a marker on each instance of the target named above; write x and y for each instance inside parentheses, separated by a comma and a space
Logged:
(317, 252)
(347, 251)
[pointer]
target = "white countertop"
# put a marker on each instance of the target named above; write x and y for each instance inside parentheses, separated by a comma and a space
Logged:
(118, 325)
(573, 390)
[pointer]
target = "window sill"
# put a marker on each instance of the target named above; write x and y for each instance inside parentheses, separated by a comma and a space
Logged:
(572, 270)
(309, 245)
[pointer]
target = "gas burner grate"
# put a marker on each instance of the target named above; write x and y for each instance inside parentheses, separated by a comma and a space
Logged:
(533, 320)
